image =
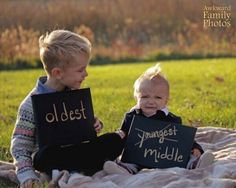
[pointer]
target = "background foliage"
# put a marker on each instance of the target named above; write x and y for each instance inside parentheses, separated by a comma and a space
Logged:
(120, 30)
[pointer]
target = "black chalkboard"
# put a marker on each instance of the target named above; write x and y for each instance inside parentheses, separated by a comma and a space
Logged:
(158, 144)
(64, 118)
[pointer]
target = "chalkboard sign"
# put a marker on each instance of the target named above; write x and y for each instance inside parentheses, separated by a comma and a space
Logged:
(158, 144)
(64, 118)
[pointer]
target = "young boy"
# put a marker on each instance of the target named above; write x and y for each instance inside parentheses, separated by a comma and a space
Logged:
(151, 91)
(65, 56)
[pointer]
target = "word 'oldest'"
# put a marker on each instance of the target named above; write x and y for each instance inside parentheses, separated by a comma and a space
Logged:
(66, 115)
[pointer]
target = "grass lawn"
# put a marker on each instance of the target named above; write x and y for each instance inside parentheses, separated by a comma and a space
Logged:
(202, 92)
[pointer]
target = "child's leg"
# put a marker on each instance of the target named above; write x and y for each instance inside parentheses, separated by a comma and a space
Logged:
(206, 159)
(110, 146)
(192, 163)
(71, 158)
(87, 157)
(111, 167)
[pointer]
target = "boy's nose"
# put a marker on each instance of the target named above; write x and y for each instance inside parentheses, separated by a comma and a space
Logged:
(154, 101)
(151, 101)
(85, 73)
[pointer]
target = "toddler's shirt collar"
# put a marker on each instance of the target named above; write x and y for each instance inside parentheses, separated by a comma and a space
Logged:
(165, 110)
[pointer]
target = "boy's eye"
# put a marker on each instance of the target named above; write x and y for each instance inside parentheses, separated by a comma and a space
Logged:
(144, 97)
(80, 70)
(158, 97)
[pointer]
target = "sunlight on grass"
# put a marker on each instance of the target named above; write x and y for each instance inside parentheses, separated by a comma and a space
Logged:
(202, 93)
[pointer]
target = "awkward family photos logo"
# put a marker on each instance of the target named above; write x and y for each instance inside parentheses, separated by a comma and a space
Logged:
(217, 16)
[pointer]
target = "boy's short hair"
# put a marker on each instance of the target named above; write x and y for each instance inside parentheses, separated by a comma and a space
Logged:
(152, 74)
(58, 48)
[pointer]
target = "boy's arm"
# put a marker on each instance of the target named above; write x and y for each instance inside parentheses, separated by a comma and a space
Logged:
(23, 144)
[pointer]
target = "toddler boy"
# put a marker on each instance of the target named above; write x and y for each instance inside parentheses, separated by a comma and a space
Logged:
(151, 91)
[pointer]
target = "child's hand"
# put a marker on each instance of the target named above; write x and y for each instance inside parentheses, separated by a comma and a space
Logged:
(98, 125)
(121, 134)
(196, 152)
(31, 183)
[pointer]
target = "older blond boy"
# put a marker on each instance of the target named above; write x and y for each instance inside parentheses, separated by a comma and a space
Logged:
(65, 56)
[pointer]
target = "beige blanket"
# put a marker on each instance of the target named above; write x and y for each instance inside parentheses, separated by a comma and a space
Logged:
(222, 174)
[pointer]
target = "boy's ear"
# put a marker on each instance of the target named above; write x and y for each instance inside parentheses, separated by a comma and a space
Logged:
(56, 72)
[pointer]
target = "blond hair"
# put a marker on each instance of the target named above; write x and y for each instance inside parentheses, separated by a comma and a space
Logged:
(152, 74)
(58, 48)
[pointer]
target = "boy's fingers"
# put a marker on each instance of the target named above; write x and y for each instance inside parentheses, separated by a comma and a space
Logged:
(121, 133)
(98, 123)
(98, 127)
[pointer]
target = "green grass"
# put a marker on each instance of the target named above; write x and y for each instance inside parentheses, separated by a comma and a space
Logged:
(202, 93)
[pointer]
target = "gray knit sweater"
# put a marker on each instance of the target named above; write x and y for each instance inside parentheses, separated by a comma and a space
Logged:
(24, 140)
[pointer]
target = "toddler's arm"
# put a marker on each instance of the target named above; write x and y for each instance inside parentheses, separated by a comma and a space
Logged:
(197, 150)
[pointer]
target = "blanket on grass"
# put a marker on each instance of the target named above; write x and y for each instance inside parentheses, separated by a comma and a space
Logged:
(221, 174)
